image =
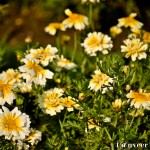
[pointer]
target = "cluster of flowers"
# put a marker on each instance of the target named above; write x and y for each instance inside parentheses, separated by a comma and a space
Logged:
(135, 46)
(15, 125)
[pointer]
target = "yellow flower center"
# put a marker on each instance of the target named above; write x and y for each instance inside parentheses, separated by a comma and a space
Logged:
(10, 123)
(35, 67)
(67, 102)
(52, 100)
(93, 41)
(5, 89)
(140, 97)
(76, 18)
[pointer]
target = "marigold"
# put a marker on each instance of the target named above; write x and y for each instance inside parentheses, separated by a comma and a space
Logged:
(76, 20)
(130, 22)
(49, 101)
(14, 124)
(134, 48)
(139, 99)
(100, 81)
(97, 41)
(53, 27)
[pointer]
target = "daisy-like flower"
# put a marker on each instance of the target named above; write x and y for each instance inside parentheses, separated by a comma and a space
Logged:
(65, 63)
(34, 136)
(69, 102)
(117, 104)
(75, 20)
(139, 99)
(97, 41)
(33, 72)
(53, 27)
(135, 48)
(130, 22)
(41, 55)
(6, 93)
(11, 76)
(92, 1)
(14, 124)
(49, 101)
(100, 81)
(115, 30)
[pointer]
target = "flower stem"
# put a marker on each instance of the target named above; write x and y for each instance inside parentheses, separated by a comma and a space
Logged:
(112, 144)
(75, 46)
(90, 15)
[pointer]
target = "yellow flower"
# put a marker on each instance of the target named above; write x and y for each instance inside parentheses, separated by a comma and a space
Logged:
(134, 48)
(100, 81)
(33, 72)
(69, 102)
(6, 93)
(14, 124)
(65, 63)
(34, 136)
(130, 22)
(49, 101)
(115, 30)
(52, 27)
(41, 55)
(24, 87)
(139, 99)
(97, 41)
(117, 104)
(137, 112)
(76, 20)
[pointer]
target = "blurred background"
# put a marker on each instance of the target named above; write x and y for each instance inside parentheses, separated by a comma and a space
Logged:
(23, 21)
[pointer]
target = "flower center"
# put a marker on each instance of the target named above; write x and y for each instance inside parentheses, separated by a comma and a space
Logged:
(141, 97)
(11, 123)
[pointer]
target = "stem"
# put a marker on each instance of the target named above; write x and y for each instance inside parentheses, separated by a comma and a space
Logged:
(75, 46)
(58, 43)
(112, 144)
(90, 15)
(83, 65)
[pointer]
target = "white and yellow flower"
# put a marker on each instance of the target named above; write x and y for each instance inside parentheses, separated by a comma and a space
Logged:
(34, 137)
(134, 48)
(14, 124)
(65, 63)
(69, 102)
(97, 41)
(100, 81)
(93, 124)
(75, 20)
(6, 93)
(49, 101)
(53, 27)
(130, 21)
(139, 99)
(11, 76)
(33, 72)
(42, 55)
